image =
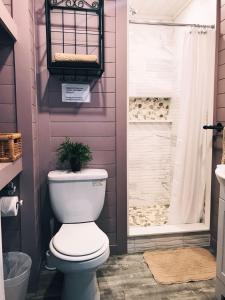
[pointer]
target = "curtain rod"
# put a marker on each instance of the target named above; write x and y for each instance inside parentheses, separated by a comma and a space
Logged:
(170, 24)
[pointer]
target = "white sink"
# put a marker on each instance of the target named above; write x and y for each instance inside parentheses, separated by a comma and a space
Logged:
(220, 174)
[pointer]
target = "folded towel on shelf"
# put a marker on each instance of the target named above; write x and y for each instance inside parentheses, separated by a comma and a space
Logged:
(69, 57)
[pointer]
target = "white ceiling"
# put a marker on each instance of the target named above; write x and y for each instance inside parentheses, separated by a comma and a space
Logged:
(159, 9)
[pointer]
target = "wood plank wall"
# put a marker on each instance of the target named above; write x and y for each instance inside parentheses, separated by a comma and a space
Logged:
(8, 4)
(7, 81)
(92, 123)
(219, 116)
(25, 74)
(34, 110)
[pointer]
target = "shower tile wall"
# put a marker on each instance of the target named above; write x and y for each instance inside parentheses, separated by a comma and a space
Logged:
(149, 168)
(151, 112)
(149, 176)
(151, 61)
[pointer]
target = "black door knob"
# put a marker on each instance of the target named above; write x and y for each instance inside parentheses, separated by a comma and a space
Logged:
(218, 127)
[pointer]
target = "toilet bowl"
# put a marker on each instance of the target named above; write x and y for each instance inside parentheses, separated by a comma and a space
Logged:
(80, 246)
(79, 260)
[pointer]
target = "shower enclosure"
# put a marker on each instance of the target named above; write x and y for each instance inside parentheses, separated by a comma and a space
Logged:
(171, 93)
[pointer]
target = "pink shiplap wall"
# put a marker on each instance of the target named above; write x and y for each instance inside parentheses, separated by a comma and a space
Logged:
(7, 85)
(92, 123)
(8, 4)
(219, 116)
(7, 81)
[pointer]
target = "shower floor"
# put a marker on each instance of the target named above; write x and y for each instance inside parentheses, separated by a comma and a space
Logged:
(151, 215)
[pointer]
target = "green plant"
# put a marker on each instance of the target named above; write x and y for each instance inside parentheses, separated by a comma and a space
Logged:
(77, 154)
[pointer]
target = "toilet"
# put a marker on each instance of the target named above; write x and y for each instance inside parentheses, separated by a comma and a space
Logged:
(80, 246)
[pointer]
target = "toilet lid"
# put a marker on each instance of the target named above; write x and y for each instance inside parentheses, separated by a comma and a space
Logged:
(79, 239)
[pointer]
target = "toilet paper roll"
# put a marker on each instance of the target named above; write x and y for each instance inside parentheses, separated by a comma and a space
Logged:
(9, 206)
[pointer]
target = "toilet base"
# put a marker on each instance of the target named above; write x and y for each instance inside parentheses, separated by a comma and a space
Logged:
(82, 286)
(80, 281)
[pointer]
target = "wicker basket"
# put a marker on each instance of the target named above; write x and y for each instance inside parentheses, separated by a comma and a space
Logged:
(10, 146)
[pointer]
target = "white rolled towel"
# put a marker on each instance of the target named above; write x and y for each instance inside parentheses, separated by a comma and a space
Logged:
(70, 57)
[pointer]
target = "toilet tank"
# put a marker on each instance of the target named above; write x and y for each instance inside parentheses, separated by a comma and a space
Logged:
(77, 197)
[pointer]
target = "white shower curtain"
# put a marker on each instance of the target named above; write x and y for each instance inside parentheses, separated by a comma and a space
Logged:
(192, 163)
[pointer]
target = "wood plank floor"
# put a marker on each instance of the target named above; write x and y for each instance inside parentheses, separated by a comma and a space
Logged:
(127, 277)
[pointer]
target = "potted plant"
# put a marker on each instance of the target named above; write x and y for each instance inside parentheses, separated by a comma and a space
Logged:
(77, 154)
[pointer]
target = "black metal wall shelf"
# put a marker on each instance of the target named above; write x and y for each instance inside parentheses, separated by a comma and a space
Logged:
(75, 33)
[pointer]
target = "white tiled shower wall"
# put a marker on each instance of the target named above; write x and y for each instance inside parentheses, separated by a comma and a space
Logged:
(149, 161)
(151, 71)
(150, 61)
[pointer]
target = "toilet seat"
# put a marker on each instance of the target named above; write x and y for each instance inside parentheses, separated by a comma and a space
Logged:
(79, 242)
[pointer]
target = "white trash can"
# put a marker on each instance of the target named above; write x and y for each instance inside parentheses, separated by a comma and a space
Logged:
(17, 267)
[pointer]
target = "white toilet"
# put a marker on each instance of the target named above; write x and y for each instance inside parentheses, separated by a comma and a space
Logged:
(80, 246)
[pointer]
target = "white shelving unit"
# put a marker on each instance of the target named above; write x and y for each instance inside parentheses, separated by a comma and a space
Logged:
(8, 171)
(7, 21)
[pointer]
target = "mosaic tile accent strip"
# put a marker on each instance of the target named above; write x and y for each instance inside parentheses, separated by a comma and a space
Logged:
(149, 109)
(153, 215)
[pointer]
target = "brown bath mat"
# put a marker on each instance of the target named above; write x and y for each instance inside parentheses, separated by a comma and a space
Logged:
(181, 265)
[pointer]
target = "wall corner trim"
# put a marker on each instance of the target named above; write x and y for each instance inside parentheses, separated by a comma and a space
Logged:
(121, 124)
